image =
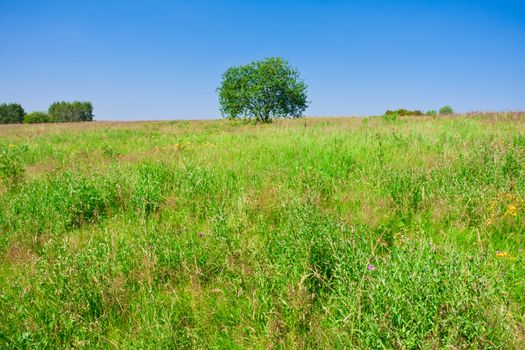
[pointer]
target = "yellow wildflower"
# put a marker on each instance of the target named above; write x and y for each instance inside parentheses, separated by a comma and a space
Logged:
(512, 210)
(502, 254)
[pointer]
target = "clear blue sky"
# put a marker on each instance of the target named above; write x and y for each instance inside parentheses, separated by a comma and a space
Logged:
(164, 59)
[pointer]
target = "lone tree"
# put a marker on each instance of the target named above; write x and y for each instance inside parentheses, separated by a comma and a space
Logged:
(446, 110)
(263, 90)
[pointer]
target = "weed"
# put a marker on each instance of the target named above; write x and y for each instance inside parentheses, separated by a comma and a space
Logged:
(11, 167)
(151, 188)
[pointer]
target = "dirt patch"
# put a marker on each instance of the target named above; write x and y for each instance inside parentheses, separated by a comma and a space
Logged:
(19, 254)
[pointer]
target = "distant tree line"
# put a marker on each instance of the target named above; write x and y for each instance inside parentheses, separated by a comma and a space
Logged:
(404, 112)
(446, 110)
(58, 112)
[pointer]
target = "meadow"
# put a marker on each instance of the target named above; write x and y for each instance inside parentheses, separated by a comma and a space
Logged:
(316, 233)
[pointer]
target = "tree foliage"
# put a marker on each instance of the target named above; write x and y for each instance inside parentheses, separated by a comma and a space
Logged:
(37, 117)
(446, 110)
(263, 90)
(71, 111)
(11, 113)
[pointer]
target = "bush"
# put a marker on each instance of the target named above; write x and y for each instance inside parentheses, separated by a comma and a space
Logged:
(71, 111)
(446, 110)
(431, 112)
(262, 90)
(11, 113)
(37, 117)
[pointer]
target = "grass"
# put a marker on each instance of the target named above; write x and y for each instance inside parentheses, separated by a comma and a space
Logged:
(220, 234)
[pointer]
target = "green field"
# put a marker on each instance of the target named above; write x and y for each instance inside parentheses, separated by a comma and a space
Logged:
(312, 233)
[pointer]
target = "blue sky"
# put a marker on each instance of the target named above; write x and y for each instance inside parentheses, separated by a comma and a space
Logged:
(164, 59)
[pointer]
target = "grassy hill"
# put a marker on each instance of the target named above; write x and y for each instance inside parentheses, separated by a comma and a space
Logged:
(315, 233)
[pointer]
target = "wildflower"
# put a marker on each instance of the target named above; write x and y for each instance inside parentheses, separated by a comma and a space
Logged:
(370, 267)
(511, 210)
(201, 234)
(502, 254)
(178, 147)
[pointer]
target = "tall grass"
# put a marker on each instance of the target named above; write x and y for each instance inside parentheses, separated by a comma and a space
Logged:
(316, 233)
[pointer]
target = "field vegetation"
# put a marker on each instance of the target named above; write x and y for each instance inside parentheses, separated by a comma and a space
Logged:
(368, 233)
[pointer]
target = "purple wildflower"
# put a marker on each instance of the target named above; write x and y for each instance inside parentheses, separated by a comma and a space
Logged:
(370, 267)
(201, 234)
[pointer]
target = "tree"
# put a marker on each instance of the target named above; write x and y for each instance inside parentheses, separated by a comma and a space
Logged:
(263, 90)
(71, 111)
(446, 110)
(37, 117)
(11, 113)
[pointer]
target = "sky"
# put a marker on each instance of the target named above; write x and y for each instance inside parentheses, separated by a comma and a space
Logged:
(160, 59)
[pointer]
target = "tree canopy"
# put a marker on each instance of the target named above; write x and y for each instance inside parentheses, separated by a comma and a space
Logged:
(446, 110)
(71, 111)
(11, 113)
(37, 117)
(263, 90)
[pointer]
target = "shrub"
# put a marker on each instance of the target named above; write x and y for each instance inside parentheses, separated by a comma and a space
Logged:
(37, 117)
(71, 111)
(446, 110)
(11, 113)
(262, 90)
(431, 112)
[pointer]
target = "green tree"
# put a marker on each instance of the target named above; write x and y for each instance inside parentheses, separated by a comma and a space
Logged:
(11, 113)
(446, 110)
(263, 90)
(71, 111)
(37, 117)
